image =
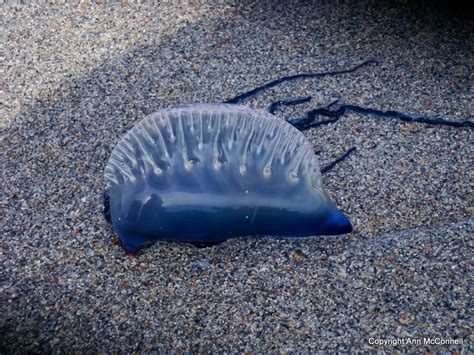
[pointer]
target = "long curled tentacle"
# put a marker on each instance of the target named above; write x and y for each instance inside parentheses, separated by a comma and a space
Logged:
(313, 117)
(239, 98)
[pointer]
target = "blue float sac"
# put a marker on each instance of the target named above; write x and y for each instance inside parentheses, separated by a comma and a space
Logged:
(205, 173)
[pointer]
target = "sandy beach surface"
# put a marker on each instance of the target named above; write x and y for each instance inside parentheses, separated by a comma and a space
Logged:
(77, 77)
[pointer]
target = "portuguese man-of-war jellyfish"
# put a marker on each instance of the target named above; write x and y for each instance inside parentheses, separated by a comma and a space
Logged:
(205, 173)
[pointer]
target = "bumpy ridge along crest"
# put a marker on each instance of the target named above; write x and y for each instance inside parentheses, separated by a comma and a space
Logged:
(204, 173)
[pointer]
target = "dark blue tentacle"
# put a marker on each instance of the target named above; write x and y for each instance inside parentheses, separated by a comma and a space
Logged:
(336, 161)
(288, 102)
(313, 117)
(239, 98)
